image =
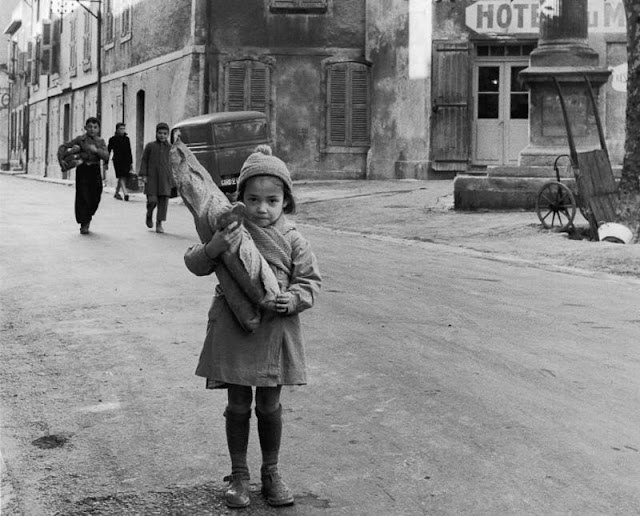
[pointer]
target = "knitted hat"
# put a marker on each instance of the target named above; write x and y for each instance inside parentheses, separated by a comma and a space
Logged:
(262, 163)
(162, 125)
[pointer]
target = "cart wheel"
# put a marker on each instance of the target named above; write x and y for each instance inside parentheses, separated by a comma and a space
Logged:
(556, 206)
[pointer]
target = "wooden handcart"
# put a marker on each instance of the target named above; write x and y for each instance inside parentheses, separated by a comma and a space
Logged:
(597, 190)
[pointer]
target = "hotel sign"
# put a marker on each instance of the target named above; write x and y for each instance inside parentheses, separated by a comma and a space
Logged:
(523, 16)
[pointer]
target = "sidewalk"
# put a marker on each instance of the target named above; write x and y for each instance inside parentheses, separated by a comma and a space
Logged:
(422, 211)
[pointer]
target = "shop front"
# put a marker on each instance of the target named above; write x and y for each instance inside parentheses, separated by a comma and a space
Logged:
(481, 108)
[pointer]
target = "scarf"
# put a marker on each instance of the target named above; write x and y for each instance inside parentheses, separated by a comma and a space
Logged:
(272, 244)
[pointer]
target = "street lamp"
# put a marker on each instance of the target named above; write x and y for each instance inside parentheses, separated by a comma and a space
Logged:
(66, 6)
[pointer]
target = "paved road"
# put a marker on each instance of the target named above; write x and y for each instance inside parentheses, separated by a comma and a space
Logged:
(440, 383)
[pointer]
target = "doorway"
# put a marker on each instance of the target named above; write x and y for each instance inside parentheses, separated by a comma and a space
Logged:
(501, 104)
(140, 106)
(66, 123)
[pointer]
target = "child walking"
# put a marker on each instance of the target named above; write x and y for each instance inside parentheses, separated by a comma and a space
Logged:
(155, 171)
(273, 355)
(90, 149)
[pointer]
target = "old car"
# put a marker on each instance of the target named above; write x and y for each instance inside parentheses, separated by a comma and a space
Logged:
(222, 141)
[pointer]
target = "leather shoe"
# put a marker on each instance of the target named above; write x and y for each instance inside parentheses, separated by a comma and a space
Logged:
(117, 196)
(149, 220)
(237, 495)
(84, 229)
(159, 228)
(274, 489)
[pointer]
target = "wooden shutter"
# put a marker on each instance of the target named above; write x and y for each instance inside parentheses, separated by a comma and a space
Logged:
(337, 117)
(348, 105)
(450, 125)
(247, 86)
(299, 6)
(55, 46)
(236, 74)
(29, 71)
(45, 47)
(258, 88)
(360, 106)
(35, 63)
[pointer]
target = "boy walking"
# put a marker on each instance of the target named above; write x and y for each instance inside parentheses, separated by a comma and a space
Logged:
(87, 150)
(155, 170)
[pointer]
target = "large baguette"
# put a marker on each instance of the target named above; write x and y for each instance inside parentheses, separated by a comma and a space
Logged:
(248, 282)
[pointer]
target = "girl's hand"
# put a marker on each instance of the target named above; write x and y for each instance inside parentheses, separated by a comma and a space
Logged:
(226, 239)
(285, 303)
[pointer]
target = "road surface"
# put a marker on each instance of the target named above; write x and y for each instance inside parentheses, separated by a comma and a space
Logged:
(439, 382)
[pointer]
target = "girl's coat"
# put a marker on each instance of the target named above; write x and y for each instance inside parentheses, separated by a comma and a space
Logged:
(274, 353)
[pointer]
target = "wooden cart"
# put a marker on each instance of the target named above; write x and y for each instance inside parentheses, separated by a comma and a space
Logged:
(597, 190)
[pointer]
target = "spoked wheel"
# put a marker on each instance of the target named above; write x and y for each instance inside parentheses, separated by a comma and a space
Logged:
(556, 206)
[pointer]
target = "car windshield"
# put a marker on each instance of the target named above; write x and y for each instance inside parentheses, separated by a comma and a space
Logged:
(240, 132)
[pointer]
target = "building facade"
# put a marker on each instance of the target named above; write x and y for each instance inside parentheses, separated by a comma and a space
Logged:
(309, 65)
(352, 89)
(479, 48)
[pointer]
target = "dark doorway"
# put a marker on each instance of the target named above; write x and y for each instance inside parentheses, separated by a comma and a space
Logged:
(66, 123)
(140, 105)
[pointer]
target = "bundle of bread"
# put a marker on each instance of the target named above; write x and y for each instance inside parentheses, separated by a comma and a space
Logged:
(248, 282)
(71, 157)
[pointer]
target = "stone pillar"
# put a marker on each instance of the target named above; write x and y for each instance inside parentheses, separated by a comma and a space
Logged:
(563, 52)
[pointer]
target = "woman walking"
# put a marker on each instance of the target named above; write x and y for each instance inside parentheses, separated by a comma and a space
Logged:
(120, 146)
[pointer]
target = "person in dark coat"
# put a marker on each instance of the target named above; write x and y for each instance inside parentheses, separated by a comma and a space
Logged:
(120, 146)
(87, 150)
(155, 170)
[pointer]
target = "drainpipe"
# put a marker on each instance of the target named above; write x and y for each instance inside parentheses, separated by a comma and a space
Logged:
(200, 38)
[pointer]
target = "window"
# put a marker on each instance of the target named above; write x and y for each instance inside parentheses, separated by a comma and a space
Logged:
(247, 86)
(108, 22)
(489, 92)
(86, 43)
(348, 119)
(298, 6)
(125, 20)
(500, 50)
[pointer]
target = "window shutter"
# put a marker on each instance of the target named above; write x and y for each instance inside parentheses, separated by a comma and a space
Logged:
(450, 129)
(313, 4)
(45, 47)
(337, 105)
(359, 107)
(35, 66)
(29, 62)
(55, 46)
(73, 50)
(299, 6)
(284, 4)
(258, 89)
(247, 86)
(46, 33)
(235, 87)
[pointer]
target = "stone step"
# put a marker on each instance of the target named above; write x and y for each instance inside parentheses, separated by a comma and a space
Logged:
(531, 171)
(536, 171)
(499, 193)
